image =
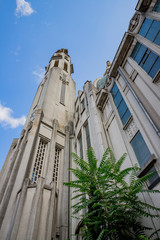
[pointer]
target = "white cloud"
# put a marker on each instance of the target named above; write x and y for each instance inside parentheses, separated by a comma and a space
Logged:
(7, 120)
(39, 74)
(23, 8)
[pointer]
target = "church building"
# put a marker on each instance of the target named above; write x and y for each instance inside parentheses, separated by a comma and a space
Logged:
(120, 110)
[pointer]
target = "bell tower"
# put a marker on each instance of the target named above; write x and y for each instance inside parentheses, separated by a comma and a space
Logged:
(34, 202)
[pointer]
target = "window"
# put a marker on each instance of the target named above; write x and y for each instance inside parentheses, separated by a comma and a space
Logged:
(150, 29)
(56, 63)
(56, 164)
(157, 6)
(154, 179)
(65, 67)
(37, 170)
(80, 146)
(140, 148)
(122, 108)
(87, 136)
(82, 105)
(62, 98)
(148, 60)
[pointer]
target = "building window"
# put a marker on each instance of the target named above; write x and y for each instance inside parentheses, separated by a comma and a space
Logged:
(56, 164)
(80, 146)
(150, 29)
(62, 98)
(157, 6)
(56, 63)
(148, 60)
(87, 136)
(38, 166)
(140, 148)
(122, 108)
(82, 105)
(65, 67)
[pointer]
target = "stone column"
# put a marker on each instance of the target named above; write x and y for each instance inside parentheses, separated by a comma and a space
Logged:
(51, 214)
(95, 123)
(50, 161)
(32, 141)
(4, 185)
(12, 234)
(33, 222)
(64, 224)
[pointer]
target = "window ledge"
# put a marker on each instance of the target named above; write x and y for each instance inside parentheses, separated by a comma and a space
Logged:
(147, 166)
(157, 77)
(128, 122)
(82, 111)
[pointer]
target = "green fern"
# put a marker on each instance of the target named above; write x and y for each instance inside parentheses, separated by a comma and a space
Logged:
(113, 209)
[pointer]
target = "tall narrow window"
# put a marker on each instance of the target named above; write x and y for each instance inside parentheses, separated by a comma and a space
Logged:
(63, 88)
(87, 136)
(65, 67)
(80, 146)
(140, 148)
(122, 108)
(56, 63)
(82, 105)
(38, 166)
(148, 60)
(56, 164)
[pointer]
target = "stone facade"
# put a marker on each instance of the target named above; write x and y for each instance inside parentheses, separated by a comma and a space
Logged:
(120, 110)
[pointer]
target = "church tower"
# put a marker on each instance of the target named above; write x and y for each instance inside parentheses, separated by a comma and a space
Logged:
(34, 202)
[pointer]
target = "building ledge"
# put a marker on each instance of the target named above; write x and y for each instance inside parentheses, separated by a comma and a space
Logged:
(101, 99)
(147, 166)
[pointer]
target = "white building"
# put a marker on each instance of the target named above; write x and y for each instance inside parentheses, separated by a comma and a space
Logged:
(120, 110)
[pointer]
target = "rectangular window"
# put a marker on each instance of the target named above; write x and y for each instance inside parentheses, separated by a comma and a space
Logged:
(82, 105)
(80, 146)
(62, 98)
(87, 136)
(150, 29)
(148, 60)
(56, 164)
(56, 63)
(122, 108)
(157, 7)
(65, 67)
(38, 166)
(140, 148)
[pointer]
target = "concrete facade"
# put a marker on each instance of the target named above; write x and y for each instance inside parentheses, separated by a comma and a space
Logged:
(34, 202)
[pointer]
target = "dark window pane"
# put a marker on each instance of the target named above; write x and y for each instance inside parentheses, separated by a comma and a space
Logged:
(155, 68)
(136, 50)
(152, 33)
(140, 148)
(87, 137)
(122, 108)
(81, 147)
(145, 27)
(157, 39)
(126, 116)
(118, 99)
(149, 62)
(140, 54)
(114, 90)
(157, 6)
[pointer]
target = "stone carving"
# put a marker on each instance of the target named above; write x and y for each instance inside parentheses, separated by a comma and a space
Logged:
(131, 130)
(134, 22)
(64, 80)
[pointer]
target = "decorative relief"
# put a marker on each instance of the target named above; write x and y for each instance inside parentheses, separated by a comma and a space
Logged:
(131, 130)
(64, 80)
(109, 83)
(134, 22)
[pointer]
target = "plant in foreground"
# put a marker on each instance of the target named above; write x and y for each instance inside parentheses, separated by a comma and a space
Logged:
(113, 210)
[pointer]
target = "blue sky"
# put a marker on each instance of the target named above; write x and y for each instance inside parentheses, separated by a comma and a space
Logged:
(32, 31)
